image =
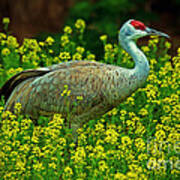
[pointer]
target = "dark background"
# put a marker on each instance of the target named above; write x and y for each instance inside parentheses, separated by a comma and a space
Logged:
(38, 18)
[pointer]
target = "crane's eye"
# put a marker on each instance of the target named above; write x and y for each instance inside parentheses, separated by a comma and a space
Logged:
(138, 25)
(128, 32)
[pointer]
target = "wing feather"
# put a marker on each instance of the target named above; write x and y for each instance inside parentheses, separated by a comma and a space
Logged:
(9, 85)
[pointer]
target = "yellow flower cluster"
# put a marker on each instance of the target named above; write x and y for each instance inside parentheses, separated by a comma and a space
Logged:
(68, 30)
(49, 40)
(64, 56)
(12, 42)
(111, 136)
(66, 92)
(13, 71)
(17, 108)
(103, 38)
(91, 57)
(5, 52)
(80, 49)
(64, 40)
(80, 25)
(77, 56)
(6, 20)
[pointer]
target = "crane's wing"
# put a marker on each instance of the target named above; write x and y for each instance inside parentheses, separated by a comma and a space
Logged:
(9, 86)
(46, 94)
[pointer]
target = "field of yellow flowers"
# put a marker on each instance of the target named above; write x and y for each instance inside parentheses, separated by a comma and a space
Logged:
(137, 140)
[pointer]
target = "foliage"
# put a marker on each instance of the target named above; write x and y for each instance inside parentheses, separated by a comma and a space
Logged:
(137, 140)
(98, 12)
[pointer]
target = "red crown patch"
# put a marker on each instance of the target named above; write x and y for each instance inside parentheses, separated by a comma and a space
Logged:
(138, 25)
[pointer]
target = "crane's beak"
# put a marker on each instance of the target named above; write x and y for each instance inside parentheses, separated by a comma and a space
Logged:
(151, 31)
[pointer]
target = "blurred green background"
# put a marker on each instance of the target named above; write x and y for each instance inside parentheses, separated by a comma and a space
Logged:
(39, 18)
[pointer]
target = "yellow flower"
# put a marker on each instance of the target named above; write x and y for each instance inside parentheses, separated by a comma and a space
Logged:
(17, 108)
(20, 165)
(143, 112)
(49, 40)
(66, 86)
(130, 123)
(79, 97)
(152, 163)
(103, 37)
(130, 100)
(140, 144)
(114, 111)
(160, 134)
(67, 30)
(80, 24)
(142, 156)
(132, 114)
(166, 108)
(57, 118)
(6, 114)
(35, 139)
(99, 127)
(102, 165)
(123, 112)
(79, 155)
(53, 165)
(120, 176)
(64, 56)
(155, 39)
(145, 48)
(91, 57)
(132, 175)
(31, 44)
(80, 49)
(41, 44)
(1, 109)
(64, 92)
(153, 61)
(64, 40)
(50, 51)
(6, 20)
(12, 42)
(168, 44)
(178, 51)
(135, 118)
(98, 149)
(126, 140)
(7, 148)
(108, 47)
(111, 136)
(140, 129)
(77, 56)
(38, 166)
(5, 51)
(68, 92)
(68, 171)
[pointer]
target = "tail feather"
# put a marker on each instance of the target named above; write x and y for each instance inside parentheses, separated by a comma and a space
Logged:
(9, 85)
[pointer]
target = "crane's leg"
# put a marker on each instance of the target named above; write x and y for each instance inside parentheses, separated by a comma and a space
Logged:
(75, 127)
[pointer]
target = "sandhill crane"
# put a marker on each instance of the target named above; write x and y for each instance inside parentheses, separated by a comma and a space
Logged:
(101, 86)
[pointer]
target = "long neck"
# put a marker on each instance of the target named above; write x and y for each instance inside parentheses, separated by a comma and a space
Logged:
(141, 68)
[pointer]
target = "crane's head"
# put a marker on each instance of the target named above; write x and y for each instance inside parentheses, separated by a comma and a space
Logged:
(133, 29)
